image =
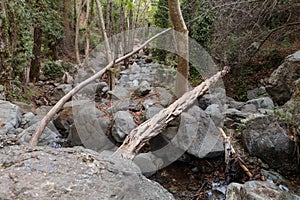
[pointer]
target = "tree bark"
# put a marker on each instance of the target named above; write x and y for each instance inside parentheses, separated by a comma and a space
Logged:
(106, 44)
(78, 12)
(35, 62)
(68, 39)
(64, 99)
(152, 127)
(181, 84)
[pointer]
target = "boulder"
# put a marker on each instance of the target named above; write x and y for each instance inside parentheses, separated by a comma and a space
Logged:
(214, 96)
(143, 89)
(148, 163)
(72, 173)
(256, 93)
(215, 112)
(280, 84)
(165, 98)
(10, 116)
(91, 127)
(262, 103)
(123, 125)
(267, 138)
(257, 190)
(119, 93)
(61, 90)
(49, 137)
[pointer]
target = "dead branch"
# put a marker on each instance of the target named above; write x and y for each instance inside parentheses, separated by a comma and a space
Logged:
(152, 127)
(229, 150)
(64, 99)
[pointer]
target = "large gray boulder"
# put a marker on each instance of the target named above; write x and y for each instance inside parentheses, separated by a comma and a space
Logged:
(72, 173)
(123, 124)
(91, 127)
(280, 84)
(267, 137)
(196, 134)
(10, 116)
(257, 190)
(49, 137)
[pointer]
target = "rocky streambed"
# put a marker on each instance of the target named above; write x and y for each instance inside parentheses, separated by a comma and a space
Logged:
(187, 159)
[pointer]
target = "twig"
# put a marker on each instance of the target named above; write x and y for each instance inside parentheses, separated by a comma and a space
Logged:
(230, 150)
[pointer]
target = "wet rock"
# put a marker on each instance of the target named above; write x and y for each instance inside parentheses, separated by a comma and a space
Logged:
(267, 138)
(123, 124)
(257, 190)
(10, 116)
(280, 84)
(68, 173)
(264, 102)
(49, 137)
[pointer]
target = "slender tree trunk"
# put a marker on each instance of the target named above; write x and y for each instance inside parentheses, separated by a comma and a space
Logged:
(181, 85)
(68, 39)
(78, 11)
(35, 62)
(87, 36)
(106, 43)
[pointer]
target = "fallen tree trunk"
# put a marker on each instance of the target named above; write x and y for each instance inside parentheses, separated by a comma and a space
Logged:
(152, 127)
(64, 99)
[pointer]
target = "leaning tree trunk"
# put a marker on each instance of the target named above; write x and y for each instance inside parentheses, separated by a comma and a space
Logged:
(181, 85)
(35, 62)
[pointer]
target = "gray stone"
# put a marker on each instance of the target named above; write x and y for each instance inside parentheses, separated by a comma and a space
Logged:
(61, 90)
(91, 127)
(119, 93)
(42, 110)
(267, 138)
(49, 136)
(264, 102)
(24, 107)
(10, 116)
(231, 103)
(150, 112)
(280, 84)
(72, 173)
(165, 98)
(256, 93)
(123, 124)
(215, 96)
(143, 89)
(257, 190)
(27, 117)
(197, 135)
(148, 163)
(215, 112)
(249, 108)
(235, 114)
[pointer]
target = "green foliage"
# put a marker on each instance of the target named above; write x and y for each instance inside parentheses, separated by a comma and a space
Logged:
(53, 70)
(161, 16)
